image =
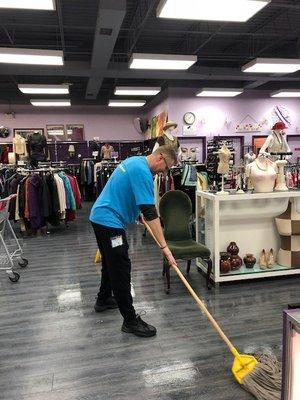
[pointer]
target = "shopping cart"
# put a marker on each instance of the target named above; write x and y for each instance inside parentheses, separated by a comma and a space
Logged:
(10, 248)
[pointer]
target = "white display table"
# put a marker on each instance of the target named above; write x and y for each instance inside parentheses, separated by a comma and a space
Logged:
(248, 220)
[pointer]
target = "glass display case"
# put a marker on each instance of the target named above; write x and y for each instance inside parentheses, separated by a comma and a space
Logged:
(291, 355)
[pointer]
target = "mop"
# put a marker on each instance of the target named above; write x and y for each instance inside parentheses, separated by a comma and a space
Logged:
(261, 375)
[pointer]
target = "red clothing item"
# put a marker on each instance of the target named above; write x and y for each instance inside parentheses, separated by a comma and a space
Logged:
(75, 190)
(4, 156)
(70, 215)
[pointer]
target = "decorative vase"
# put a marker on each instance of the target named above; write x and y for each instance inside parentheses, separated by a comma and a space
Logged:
(249, 260)
(233, 249)
(235, 262)
(225, 264)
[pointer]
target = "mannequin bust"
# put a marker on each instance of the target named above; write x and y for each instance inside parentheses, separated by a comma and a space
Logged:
(276, 142)
(106, 151)
(168, 139)
(262, 173)
(224, 155)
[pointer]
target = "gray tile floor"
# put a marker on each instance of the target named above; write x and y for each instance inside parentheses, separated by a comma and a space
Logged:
(54, 347)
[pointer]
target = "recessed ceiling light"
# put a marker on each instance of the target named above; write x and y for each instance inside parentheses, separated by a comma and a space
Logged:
(30, 56)
(272, 65)
(211, 10)
(212, 92)
(50, 103)
(136, 91)
(44, 89)
(126, 103)
(161, 61)
(28, 4)
(286, 93)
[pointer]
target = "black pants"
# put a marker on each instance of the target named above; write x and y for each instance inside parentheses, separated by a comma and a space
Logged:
(116, 268)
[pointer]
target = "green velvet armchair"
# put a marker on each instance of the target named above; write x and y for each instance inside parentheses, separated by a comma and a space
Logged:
(175, 210)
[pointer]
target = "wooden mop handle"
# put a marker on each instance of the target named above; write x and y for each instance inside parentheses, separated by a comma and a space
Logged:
(200, 303)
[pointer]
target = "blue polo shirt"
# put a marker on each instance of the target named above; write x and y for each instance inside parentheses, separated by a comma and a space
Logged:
(130, 185)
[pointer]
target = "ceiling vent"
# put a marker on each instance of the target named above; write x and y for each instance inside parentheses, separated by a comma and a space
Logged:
(105, 31)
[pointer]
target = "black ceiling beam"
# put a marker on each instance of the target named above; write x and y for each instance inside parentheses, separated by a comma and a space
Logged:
(109, 20)
(8, 35)
(270, 35)
(61, 26)
(37, 25)
(121, 71)
(143, 11)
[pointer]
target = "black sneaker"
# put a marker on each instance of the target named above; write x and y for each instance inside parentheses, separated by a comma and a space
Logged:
(108, 304)
(139, 328)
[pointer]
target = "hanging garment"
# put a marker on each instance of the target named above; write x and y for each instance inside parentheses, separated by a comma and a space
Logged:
(19, 145)
(189, 175)
(37, 145)
(75, 190)
(61, 196)
(106, 151)
(35, 200)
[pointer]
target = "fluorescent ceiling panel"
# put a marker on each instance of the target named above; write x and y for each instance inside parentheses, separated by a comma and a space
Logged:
(208, 92)
(28, 4)
(50, 103)
(44, 89)
(126, 103)
(161, 61)
(210, 10)
(286, 93)
(136, 91)
(30, 56)
(273, 65)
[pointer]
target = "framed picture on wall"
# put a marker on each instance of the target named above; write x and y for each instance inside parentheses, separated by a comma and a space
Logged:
(75, 132)
(25, 132)
(56, 132)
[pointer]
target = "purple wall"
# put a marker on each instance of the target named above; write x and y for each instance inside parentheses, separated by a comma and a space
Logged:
(219, 116)
(159, 104)
(107, 125)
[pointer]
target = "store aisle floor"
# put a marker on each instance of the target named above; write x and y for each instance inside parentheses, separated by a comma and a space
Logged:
(53, 346)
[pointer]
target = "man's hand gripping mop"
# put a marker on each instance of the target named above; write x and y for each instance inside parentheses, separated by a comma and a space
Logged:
(260, 376)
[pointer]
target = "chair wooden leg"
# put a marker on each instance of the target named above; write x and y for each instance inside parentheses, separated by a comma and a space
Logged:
(168, 279)
(167, 274)
(208, 273)
(188, 266)
(164, 269)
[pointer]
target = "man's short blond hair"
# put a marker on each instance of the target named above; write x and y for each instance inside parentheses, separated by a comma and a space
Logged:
(168, 152)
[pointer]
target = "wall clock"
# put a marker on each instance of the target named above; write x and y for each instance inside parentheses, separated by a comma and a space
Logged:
(189, 118)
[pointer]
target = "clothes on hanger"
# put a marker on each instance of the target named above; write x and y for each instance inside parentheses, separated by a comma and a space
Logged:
(37, 148)
(19, 145)
(4, 150)
(103, 173)
(43, 197)
(106, 151)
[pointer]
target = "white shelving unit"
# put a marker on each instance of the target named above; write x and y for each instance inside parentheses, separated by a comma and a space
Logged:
(248, 220)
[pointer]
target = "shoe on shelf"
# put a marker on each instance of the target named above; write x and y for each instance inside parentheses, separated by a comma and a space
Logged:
(139, 327)
(263, 260)
(270, 258)
(108, 304)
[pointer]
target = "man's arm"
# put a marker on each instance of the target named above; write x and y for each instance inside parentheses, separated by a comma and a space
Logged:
(150, 215)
